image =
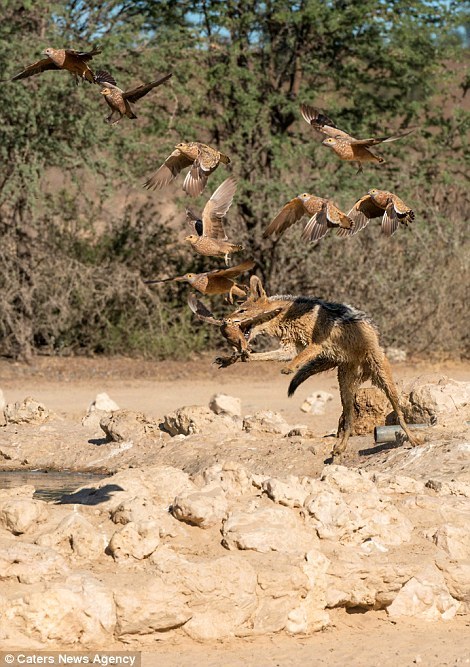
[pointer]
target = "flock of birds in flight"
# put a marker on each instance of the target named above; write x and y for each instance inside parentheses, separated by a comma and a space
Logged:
(209, 237)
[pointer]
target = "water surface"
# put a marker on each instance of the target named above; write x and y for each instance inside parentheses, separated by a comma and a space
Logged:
(50, 486)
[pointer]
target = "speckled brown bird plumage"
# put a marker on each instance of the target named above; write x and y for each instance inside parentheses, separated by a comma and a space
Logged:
(202, 159)
(210, 238)
(73, 61)
(324, 215)
(376, 204)
(345, 146)
(120, 100)
(218, 281)
(230, 331)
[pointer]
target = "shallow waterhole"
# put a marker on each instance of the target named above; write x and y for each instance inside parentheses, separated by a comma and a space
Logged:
(50, 485)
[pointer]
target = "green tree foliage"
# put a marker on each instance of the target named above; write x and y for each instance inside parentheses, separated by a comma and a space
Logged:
(71, 267)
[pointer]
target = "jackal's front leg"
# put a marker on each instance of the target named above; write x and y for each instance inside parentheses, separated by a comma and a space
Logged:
(308, 353)
(281, 354)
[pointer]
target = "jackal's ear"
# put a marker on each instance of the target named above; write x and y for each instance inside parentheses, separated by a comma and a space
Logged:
(256, 289)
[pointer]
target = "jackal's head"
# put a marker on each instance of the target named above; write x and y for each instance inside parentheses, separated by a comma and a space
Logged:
(254, 313)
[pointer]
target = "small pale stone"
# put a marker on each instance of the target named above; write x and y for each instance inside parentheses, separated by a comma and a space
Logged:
(204, 509)
(193, 419)
(134, 540)
(103, 402)
(316, 402)
(425, 596)
(18, 514)
(266, 421)
(28, 411)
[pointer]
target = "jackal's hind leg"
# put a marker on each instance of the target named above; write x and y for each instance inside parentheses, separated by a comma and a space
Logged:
(382, 378)
(304, 356)
(349, 379)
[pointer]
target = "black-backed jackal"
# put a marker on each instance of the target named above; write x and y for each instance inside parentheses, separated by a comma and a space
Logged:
(315, 336)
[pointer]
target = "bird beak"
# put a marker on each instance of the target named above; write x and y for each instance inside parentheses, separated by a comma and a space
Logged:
(187, 239)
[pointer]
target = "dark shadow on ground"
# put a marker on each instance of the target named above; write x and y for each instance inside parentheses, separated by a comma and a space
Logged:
(383, 447)
(99, 441)
(90, 496)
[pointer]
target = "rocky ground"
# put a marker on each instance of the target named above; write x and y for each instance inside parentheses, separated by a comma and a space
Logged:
(221, 521)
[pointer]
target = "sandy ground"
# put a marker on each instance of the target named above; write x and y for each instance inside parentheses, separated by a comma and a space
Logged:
(67, 386)
(354, 640)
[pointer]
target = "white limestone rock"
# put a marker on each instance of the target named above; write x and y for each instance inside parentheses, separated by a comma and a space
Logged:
(315, 403)
(205, 508)
(146, 604)
(77, 611)
(425, 596)
(29, 563)
(225, 404)
(267, 529)
(266, 421)
(134, 541)
(193, 419)
(76, 536)
(28, 411)
(221, 592)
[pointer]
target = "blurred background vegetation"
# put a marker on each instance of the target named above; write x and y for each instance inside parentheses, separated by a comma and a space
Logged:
(79, 233)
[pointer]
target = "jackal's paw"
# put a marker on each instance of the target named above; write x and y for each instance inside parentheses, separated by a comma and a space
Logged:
(414, 441)
(286, 370)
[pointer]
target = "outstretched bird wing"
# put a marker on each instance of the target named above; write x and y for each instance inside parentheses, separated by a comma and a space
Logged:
(287, 216)
(233, 271)
(201, 311)
(194, 221)
(396, 212)
(103, 77)
(196, 180)
(336, 217)
(36, 68)
(320, 122)
(329, 216)
(136, 93)
(379, 140)
(390, 221)
(168, 171)
(82, 55)
(216, 208)
(363, 210)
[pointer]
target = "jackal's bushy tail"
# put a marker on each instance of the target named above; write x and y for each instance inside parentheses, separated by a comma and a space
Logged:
(319, 364)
